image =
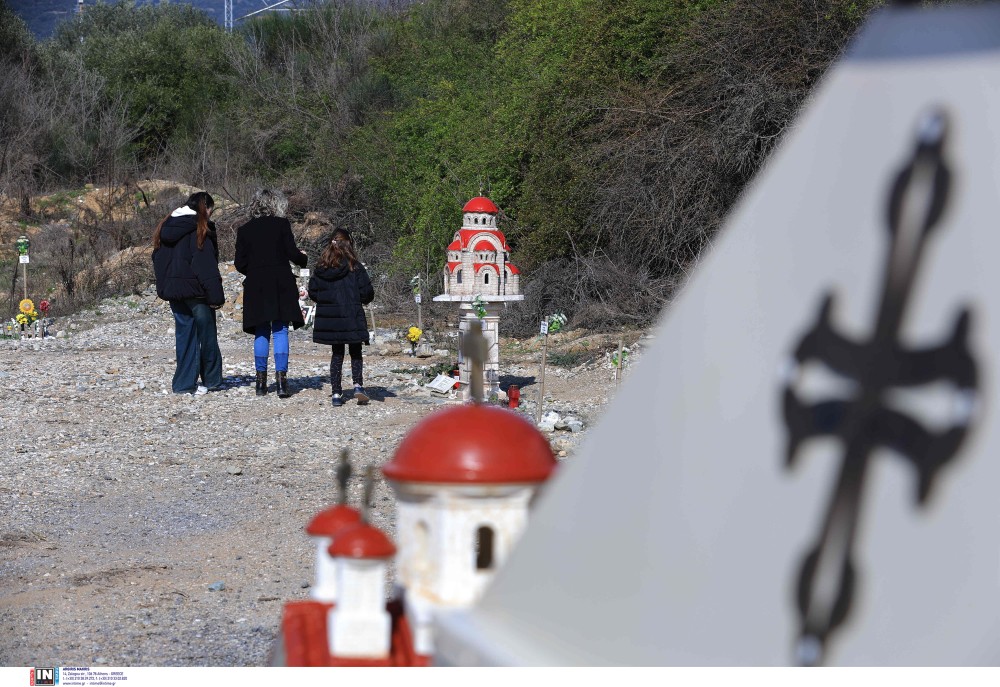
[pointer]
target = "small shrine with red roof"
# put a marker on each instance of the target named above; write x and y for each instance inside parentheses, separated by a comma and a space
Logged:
(478, 256)
(479, 276)
(464, 479)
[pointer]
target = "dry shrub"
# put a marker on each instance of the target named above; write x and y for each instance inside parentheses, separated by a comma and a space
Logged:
(677, 152)
(594, 292)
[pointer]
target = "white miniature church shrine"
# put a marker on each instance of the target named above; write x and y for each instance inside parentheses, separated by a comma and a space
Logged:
(479, 276)
(462, 503)
(478, 256)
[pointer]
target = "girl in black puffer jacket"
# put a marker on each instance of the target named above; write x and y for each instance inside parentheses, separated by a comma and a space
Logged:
(340, 288)
(186, 264)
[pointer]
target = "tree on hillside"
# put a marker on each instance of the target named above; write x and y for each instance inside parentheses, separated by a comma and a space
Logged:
(23, 110)
(674, 152)
(166, 62)
(16, 42)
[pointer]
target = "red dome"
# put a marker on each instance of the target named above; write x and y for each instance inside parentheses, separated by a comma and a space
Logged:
(472, 444)
(484, 245)
(361, 541)
(330, 521)
(481, 204)
(465, 236)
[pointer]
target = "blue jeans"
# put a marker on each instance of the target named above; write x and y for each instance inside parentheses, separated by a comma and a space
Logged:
(262, 343)
(197, 344)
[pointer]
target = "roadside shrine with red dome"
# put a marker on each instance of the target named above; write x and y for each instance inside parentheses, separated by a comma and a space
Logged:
(464, 480)
(479, 269)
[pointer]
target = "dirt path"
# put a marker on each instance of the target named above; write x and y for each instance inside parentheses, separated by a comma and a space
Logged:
(120, 504)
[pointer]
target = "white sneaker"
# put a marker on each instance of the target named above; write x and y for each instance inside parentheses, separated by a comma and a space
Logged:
(201, 391)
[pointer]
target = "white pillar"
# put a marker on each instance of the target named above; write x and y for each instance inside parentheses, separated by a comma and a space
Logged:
(325, 588)
(359, 626)
(491, 330)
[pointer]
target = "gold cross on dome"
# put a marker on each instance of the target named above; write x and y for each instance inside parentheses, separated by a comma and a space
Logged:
(475, 347)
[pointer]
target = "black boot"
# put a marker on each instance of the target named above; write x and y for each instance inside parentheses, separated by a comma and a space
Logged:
(281, 381)
(261, 382)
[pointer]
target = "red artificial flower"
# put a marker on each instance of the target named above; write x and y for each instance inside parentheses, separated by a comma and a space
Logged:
(43, 306)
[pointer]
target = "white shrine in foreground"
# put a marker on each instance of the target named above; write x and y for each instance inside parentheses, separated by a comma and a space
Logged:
(462, 503)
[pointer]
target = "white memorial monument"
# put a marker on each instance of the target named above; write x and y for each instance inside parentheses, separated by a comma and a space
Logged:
(481, 278)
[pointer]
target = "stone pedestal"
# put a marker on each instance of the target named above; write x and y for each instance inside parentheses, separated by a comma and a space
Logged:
(491, 330)
(491, 366)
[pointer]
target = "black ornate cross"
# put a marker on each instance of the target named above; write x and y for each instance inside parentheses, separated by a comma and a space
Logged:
(865, 422)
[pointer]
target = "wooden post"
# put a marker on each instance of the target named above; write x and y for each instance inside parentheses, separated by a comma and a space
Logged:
(420, 308)
(541, 374)
(621, 349)
(23, 248)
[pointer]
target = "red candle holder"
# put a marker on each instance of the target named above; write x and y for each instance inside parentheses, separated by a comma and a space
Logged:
(513, 396)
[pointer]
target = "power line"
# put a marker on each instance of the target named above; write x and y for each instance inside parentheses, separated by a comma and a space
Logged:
(269, 7)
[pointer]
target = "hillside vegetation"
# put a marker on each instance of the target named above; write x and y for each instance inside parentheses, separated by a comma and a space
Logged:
(614, 136)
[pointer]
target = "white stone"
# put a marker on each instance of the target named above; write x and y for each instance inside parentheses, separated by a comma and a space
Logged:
(551, 417)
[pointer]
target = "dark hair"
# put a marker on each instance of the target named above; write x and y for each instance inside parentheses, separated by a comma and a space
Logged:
(201, 202)
(341, 247)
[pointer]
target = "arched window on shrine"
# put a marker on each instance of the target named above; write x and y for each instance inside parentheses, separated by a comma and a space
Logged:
(458, 276)
(484, 548)
(486, 277)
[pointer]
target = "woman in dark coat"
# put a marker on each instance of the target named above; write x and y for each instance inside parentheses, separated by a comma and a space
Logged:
(186, 264)
(264, 247)
(340, 288)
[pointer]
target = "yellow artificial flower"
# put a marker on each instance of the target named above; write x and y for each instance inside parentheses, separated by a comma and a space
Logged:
(414, 334)
(26, 305)
(21, 318)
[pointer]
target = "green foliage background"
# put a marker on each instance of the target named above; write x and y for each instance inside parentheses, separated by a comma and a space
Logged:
(613, 134)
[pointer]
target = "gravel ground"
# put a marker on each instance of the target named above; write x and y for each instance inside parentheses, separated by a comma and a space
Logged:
(121, 503)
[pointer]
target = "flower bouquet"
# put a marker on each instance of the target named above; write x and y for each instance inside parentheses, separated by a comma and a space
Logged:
(479, 306)
(413, 336)
(28, 314)
(624, 360)
(556, 321)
